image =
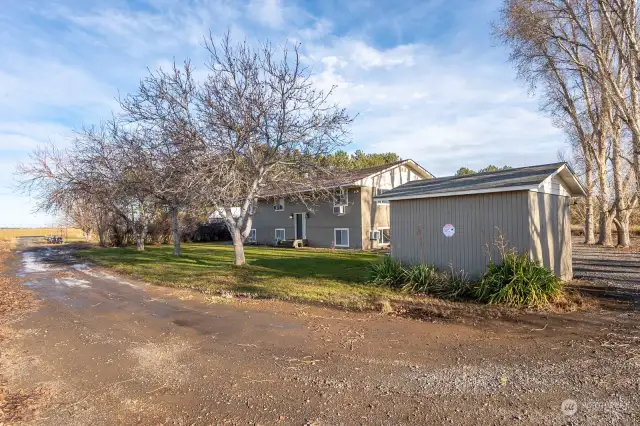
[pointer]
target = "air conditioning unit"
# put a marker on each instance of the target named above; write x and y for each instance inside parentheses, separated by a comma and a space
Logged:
(339, 210)
(373, 235)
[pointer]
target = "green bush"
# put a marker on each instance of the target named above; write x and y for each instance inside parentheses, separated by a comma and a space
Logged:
(517, 281)
(389, 272)
(453, 285)
(421, 278)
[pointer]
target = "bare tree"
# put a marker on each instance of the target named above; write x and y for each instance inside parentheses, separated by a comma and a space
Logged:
(101, 169)
(576, 50)
(265, 128)
(163, 108)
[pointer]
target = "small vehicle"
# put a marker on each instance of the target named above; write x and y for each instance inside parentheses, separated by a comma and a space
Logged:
(53, 239)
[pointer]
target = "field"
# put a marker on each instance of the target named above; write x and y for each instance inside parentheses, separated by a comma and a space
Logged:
(7, 235)
(323, 276)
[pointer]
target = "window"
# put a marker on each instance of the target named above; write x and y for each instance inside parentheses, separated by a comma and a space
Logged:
(384, 236)
(380, 191)
(280, 234)
(341, 237)
(341, 197)
(278, 205)
(252, 236)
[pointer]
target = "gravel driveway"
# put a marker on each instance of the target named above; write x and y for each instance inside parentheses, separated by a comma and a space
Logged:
(105, 350)
(612, 272)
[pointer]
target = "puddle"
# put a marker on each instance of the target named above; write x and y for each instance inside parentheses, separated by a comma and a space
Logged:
(72, 282)
(32, 263)
(85, 269)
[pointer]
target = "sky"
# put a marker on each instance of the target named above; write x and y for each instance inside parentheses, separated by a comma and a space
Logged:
(425, 78)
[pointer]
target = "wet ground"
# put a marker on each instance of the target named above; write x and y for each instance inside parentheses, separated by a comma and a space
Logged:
(109, 350)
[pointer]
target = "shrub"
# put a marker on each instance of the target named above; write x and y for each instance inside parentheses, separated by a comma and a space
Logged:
(422, 278)
(389, 272)
(453, 285)
(517, 281)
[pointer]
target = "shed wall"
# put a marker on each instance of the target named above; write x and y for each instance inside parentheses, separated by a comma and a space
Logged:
(478, 221)
(550, 229)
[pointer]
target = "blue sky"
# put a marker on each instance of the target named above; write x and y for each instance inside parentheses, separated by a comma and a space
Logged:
(425, 77)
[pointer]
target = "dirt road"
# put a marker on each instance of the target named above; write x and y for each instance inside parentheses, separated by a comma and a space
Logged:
(108, 350)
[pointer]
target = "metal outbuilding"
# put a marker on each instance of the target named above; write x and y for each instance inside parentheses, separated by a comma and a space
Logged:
(454, 222)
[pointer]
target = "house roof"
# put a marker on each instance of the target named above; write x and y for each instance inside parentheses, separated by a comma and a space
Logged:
(519, 179)
(351, 177)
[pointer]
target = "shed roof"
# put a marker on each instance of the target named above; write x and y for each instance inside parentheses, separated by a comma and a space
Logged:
(518, 179)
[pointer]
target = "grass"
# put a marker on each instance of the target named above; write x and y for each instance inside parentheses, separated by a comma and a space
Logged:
(320, 276)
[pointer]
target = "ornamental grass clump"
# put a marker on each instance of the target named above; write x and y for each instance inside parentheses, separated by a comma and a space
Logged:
(389, 272)
(518, 281)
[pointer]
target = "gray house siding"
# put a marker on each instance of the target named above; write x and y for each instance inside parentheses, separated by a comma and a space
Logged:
(550, 228)
(417, 237)
(320, 224)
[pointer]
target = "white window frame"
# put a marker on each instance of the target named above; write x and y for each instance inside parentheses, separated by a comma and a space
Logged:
(278, 206)
(339, 195)
(284, 234)
(335, 239)
(255, 236)
(380, 236)
(384, 202)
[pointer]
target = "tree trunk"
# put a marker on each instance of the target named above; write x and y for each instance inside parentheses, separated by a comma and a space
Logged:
(606, 216)
(589, 223)
(606, 220)
(622, 228)
(175, 230)
(238, 247)
(142, 235)
(101, 237)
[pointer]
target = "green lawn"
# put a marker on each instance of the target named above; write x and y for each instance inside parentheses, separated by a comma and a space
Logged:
(332, 277)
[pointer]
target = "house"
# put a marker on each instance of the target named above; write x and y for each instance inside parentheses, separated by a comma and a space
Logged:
(454, 222)
(352, 220)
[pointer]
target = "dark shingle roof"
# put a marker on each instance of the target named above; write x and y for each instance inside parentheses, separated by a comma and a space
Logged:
(338, 178)
(478, 182)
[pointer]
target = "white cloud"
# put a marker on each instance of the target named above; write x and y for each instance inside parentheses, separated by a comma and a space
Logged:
(32, 86)
(26, 135)
(267, 12)
(443, 110)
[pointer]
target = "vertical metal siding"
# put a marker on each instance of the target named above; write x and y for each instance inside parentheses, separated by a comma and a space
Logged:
(478, 221)
(550, 227)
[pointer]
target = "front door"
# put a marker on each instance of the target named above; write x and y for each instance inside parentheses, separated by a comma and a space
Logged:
(301, 224)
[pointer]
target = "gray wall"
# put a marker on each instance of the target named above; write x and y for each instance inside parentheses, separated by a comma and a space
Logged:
(531, 222)
(478, 221)
(320, 224)
(550, 227)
